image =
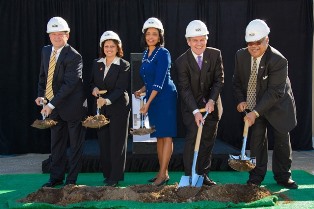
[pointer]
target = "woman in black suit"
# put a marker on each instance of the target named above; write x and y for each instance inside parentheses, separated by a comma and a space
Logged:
(111, 73)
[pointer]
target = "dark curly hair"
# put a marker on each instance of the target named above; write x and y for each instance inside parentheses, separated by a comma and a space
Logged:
(119, 46)
(160, 43)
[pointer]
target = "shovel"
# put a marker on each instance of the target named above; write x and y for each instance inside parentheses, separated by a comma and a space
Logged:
(98, 120)
(242, 162)
(142, 130)
(195, 180)
(45, 122)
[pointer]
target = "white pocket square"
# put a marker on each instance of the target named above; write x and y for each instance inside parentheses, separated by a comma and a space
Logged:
(265, 77)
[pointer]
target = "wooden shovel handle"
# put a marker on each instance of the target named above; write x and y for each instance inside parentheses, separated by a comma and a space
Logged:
(198, 137)
(246, 128)
(102, 91)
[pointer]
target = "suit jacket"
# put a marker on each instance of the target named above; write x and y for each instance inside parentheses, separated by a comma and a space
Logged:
(274, 97)
(196, 85)
(67, 84)
(116, 83)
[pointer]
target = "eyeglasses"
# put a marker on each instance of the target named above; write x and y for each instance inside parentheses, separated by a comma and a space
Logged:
(259, 42)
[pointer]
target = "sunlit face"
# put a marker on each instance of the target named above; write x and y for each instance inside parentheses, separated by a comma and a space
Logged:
(152, 37)
(59, 39)
(258, 48)
(197, 44)
(110, 48)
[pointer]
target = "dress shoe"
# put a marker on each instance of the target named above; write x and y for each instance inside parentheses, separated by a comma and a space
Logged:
(207, 181)
(52, 183)
(112, 183)
(68, 182)
(290, 184)
(253, 183)
(165, 181)
(152, 179)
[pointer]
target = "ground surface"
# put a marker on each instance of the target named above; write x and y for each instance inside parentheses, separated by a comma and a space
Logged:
(148, 193)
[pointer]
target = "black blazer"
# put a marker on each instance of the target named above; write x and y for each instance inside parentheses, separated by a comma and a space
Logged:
(274, 97)
(195, 85)
(67, 84)
(116, 82)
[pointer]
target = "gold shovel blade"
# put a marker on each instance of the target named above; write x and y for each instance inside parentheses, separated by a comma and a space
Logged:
(96, 121)
(237, 164)
(43, 124)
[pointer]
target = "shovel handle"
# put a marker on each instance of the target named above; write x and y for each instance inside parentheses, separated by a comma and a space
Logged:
(246, 128)
(102, 91)
(245, 132)
(198, 137)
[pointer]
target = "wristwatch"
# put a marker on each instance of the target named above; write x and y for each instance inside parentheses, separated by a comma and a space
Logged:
(256, 113)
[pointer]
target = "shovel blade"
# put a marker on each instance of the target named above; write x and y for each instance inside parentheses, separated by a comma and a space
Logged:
(242, 164)
(197, 180)
(185, 181)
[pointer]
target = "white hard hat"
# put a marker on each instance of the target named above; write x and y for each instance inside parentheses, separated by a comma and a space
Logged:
(153, 22)
(109, 35)
(196, 28)
(256, 30)
(57, 24)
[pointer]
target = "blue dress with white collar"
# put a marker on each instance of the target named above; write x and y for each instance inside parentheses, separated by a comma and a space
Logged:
(162, 112)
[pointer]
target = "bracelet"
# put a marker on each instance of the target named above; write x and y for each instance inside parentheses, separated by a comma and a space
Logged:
(256, 113)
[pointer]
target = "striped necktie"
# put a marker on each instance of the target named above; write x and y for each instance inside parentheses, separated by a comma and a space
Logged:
(51, 69)
(251, 89)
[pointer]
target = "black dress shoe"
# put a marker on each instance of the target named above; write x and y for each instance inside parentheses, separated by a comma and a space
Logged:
(253, 183)
(207, 181)
(290, 184)
(112, 183)
(70, 182)
(52, 183)
(152, 179)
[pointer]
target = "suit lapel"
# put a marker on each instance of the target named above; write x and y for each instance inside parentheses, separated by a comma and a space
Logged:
(48, 52)
(205, 67)
(192, 62)
(61, 57)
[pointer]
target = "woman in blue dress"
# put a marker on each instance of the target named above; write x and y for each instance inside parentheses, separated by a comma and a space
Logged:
(161, 95)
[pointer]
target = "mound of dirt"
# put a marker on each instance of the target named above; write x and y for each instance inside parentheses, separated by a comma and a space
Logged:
(148, 193)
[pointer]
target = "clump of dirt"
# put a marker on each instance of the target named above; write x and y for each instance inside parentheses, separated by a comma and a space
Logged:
(96, 121)
(241, 165)
(148, 193)
(43, 124)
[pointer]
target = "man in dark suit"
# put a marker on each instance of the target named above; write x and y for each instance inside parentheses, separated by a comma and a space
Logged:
(60, 82)
(200, 80)
(270, 101)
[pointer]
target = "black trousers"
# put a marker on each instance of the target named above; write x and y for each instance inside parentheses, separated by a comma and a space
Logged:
(206, 145)
(112, 140)
(62, 133)
(282, 152)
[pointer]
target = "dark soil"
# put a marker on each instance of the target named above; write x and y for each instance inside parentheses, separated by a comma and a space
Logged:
(148, 193)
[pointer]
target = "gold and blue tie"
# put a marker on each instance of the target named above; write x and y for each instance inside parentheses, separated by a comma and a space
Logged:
(51, 69)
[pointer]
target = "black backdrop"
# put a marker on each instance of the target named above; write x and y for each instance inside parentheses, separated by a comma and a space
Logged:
(23, 26)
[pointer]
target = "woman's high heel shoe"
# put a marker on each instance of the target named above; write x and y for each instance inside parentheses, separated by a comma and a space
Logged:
(165, 181)
(152, 179)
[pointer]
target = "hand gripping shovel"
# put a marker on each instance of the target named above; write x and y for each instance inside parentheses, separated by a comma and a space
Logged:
(45, 122)
(142, 130)
(242, 163)
(195, 180)
(98, 120)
